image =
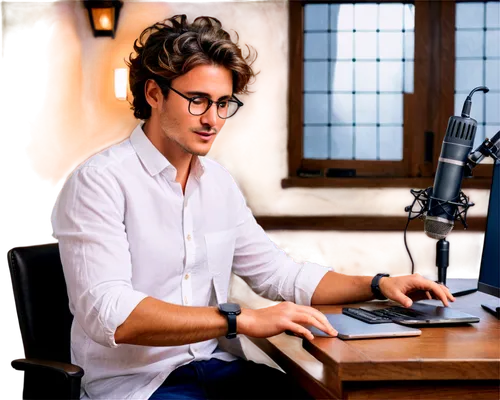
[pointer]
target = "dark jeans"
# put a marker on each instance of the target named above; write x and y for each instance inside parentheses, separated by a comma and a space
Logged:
(216, 379)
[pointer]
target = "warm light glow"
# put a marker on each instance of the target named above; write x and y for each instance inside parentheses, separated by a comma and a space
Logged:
(105, 22)
(103, 18)
(121, 83)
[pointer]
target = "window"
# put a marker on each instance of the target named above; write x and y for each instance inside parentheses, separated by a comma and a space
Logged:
(477, 62)
(354, 92)
(372, 86)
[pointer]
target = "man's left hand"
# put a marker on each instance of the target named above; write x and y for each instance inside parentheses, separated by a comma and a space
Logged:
(406, 289)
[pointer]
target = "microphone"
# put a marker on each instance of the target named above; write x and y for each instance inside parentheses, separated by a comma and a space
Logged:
(445, 194)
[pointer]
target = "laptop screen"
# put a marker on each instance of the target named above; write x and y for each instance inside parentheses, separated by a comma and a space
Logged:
(489, 277)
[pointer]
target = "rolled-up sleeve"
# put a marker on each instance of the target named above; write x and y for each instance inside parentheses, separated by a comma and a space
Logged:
(268, 270)
(88, 222)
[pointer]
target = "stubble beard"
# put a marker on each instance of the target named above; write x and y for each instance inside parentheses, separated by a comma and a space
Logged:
(169, 127)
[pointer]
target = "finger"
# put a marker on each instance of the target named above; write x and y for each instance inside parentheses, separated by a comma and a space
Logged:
(299, 330)
(309, 320)
(401, 298)
(321, 318)
(448, 293)
(428, 294)
(437, 290)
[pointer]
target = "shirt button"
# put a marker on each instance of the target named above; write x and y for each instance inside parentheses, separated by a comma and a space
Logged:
(186, 277)
(188, 237)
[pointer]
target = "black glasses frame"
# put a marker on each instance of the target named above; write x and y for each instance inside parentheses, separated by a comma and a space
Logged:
(210, 102)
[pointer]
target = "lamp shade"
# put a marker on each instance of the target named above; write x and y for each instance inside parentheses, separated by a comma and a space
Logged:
(103, 16)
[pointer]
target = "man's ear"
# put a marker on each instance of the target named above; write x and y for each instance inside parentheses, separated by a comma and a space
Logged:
(153, 94)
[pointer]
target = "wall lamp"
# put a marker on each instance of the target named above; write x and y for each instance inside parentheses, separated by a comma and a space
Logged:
(121, 83)
(103, 16)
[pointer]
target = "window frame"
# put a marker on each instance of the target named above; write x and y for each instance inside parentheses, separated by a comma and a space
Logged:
(432, 98)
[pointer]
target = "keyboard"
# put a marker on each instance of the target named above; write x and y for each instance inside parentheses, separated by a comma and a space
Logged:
(366, 316)
(383, 315)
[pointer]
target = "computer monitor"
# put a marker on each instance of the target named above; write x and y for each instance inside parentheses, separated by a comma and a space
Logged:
(489, 276)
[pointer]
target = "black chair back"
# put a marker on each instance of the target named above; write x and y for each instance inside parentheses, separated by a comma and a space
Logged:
(41, 301)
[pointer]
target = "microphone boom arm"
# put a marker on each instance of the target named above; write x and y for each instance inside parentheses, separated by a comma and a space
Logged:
(489, 148)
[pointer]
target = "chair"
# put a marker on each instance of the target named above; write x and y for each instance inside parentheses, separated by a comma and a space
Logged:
(45, 322)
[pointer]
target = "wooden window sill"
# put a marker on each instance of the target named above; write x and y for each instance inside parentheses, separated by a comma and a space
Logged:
(377, 182)
(380, 223)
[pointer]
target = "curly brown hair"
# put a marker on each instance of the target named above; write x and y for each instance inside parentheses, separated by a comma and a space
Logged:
(169, 49)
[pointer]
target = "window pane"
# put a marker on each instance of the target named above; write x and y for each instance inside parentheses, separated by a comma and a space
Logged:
(391, 16)
(409, 17)
(493, 43)
(469, 43)
(409, 46)
(365, 108)
(473, 40)
(316, 142)
(493, 14)
(316, 17)
(365, 44)
(365, 76)
(342, 45)
(408, 77)
(316, 45)
(493, 74)
(470, 15)
(366, 142)
(365, 17)
(342, 142)
(342, 75)
(342, 17)
(469, 74)
(492, 108)
(391, 109)
(391, 143)
(316, 76)
(391, 76)
(342, 108)
(391, 45)
(316, 108)
(480, 136)
(366, 47)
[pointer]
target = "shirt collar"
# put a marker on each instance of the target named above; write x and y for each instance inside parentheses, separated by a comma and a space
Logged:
(154, 161)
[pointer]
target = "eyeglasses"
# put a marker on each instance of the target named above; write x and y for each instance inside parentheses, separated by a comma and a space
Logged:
(199, 105)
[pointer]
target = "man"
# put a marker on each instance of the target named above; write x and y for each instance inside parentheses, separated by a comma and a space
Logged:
(149, 232)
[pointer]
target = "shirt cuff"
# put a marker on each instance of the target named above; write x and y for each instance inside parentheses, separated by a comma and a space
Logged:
(307, 281)
(128, 302)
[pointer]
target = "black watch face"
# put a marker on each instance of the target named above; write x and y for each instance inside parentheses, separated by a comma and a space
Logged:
(230, 307)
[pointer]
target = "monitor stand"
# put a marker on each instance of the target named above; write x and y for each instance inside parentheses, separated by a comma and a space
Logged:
(492, 308)
(461, 287)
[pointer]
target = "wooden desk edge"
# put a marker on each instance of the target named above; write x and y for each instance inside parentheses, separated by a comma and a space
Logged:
(409, 370)
(318, 388)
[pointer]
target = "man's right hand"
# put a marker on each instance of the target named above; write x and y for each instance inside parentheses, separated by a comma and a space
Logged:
(286, 316)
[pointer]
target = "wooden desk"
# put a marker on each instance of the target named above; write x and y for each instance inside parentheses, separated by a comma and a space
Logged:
(459, 362)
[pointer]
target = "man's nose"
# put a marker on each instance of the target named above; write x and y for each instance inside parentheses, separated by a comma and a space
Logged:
(210, 117)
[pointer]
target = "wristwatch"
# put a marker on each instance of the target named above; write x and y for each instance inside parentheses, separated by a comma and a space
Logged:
(231, 311)
(376, 288)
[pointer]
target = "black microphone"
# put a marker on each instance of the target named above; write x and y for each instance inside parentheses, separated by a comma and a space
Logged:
(445, 193)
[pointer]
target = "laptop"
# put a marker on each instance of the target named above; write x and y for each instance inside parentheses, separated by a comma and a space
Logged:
(489, 275)
(421, 313)
(351, 328)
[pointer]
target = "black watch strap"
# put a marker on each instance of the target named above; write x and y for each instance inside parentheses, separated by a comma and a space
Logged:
(231, 326)
(376, 288)
(230, 311)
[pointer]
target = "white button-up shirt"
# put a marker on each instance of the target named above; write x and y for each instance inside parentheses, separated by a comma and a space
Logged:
(126, 231)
